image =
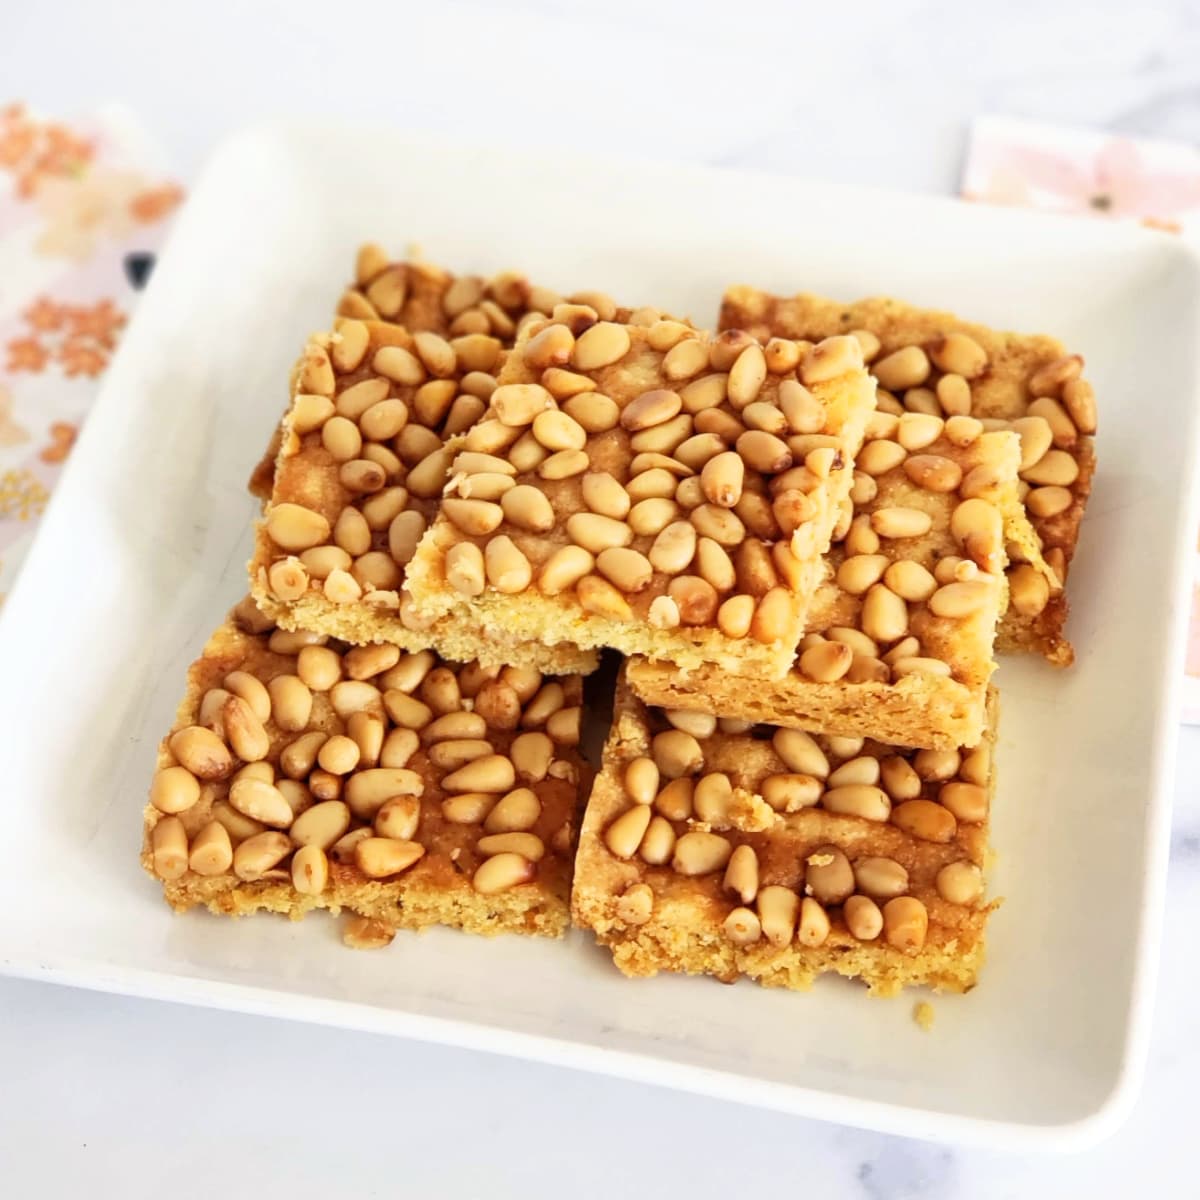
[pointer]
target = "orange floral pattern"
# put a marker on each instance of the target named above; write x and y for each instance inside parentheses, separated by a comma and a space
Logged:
(34, 151)
(79, 338)
(62, 438)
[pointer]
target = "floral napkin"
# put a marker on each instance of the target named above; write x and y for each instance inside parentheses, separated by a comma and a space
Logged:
(1096, 175)
(83, 207)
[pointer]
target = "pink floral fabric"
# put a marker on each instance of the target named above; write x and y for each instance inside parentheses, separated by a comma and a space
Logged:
(83, 207)
(1094, 175)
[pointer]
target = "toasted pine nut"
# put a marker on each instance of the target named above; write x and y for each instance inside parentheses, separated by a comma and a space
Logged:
(937, 765)
(863, 918)
(814, 924)
(640, 778)
(321, 825)
(201, 752)
(880, 878)
(310, 870)
(741, 874)
(685, 359)
(174, 790)
(859, 572)
(962, 431)
(564, 726)
(960, 883)
(658, 843)
(960, 354)
(778, 908)
(491, 773)
(959, 600)
(169, 848)
(650, 410)
(598, 596)
(1050, 378)
(967, 801)
(1080, 401)
(933, 472)
(262, 802)
(954, 395)
(746, 376)
(742, 926)
(910, 581)
(338, 755)
(380, 857)
(925, 820)
(1036, 439)
(636, 905)
(826, 662)
(905, 924)
(259, 854)
(600, 346)
(527, 845)
(1046, 502)
(800, 752)
(699, 853)
(827, 875)
(212, 851)
(788, 793)
(858, 800)
(1056, 468)
(675, 800)
(763, 451)
(773, 617)
(516, 812)
(625, 568)
(625, 833)
(858, 769)
(831, 358)
(1028, 590)
(899, 522)
(879, 457)
(676, 753)
(722, 478)
(902, 369)
(884, 614)
(309, 413)
(367, 791)
(563, 569)
(508, 570)
(712, 797)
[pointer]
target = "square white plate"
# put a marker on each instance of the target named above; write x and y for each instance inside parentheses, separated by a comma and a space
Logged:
(144, 545)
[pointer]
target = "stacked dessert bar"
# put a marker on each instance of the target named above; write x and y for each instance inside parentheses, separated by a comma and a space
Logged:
(807, 531)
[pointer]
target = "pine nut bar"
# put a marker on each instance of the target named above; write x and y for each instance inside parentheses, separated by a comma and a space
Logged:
(630, 484)
(933, 362)
(360, 467)
(710, 847)
(900, 640)
(303, 773)
(425, 298)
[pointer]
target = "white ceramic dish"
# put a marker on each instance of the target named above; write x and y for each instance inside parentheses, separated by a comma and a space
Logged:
(145, 541)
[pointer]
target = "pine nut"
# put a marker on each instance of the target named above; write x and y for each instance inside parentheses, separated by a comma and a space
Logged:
(527, 453)
(1062, 428)
(624, 835)
(550, 348)
(557, 431)
(696, 599)
(976, 766)
(516, 812)
(426, 479)
(884, 614)
(380, 857)
(778, 908)
(169, 848)
(174, 790)
(341, 588)
(473, 517)
(714, 565)
(782, 355)
(641, 780)
(858, 800)
(698, 724)
(967, 801)
(508, 570)
(211, 852)
(1028, 591)
(1036, 439)
(294, 528)
(527, 845)
(800, 752)
(259, 854)
(902, 369)
(406, 710)
(310, 870)
(404, 533)
(699, 853)
(453, 753)
(827, 662)
(600, 346)
(605, 496)
(598, 596)
(674, 548)
(722, 479)
(905, 924)
(926, 820)
(675, 800)
(954, 395)
(1080, 401)
(905, 648)
(367, 791)
(711, 798)
(933, 472)
(859, 769)
(814, 924)
(767, 416)
(764, 452)
(910, 581)
(828, 876)
(650, 409)
(597, 413)
(465, 411)
(625, 569)
(564, 465)
(960, 883)
(491, 773)
(658, 843)
(648, 518)
(1056, 468)
(880, 457)
(960, 600)
(773, 617)
(468, 808)
(830, 359)
(880, 878)
(201, 752)
(962, 431)
(501, 872)
(656, 483)
(636, 904)
(309, 413)
(742, 927)
(1046, 502)
(922, 400)
(244, 730)
(937, 765)
(803, 412)
(548, 700)
(746, 376)
(791, 793)
(338, 755)
(342, 850)
(321, 825)
(858, 573)
(262, 802)
(563, 569)
(900, 522)
(676, 753)
(685, 359)
(527, 507)
(845, 747)
(959, 354)
(399, 365)
(861, 538)
(735, 616)
(1048, 379)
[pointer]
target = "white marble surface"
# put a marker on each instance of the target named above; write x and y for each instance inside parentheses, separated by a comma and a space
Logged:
(107, 1093)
